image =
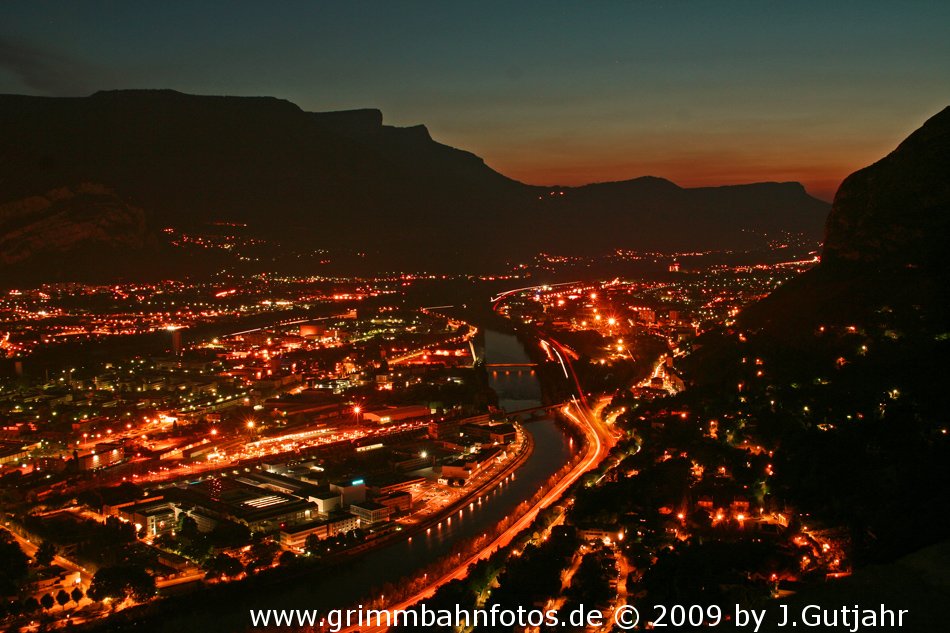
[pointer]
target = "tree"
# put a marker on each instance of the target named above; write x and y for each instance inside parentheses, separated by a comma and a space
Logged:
(227, 534)
(15, 608)
(263, 554)
(286, 558)
(197, 549)
(265, 550)
(119, 531)
(44, 554)
(187, 527)
(121, 582)
(47, 601)
(312, 545)
(257, 564)
(76, 594)
(14, 564)
(166, 541)
(31, 605)
(223, 565)
(63, 598)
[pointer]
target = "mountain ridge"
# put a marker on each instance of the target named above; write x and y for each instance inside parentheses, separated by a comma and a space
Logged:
(347, 180)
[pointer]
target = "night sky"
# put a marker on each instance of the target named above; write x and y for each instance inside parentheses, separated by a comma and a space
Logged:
(547, 92)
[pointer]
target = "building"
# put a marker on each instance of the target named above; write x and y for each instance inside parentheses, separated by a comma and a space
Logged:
(464, 468)
(104, 454)
(398, 502)
(593, 533)
(350, 492)
(502, 433)
(279, 483)
(397, 414)
(445, 429)
(383, 487)
(155, 517)
(407, 460)
(312, 330)
(295, 537)
(53, 578)
(327, 502)
(486, 432)
(370, 513)
(12, 452)
(261, 510)
(204, 521)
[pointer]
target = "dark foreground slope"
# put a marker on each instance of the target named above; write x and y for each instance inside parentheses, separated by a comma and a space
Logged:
(343, 180)
(854, 392)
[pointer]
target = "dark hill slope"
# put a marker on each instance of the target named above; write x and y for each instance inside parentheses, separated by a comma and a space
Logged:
(887, 246)
(853, 359)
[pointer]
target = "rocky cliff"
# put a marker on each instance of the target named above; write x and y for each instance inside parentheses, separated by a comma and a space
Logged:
(896, 212)
(887, 248)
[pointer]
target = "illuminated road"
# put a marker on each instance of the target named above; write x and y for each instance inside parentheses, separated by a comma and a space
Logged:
(659, 372)
(463, 338)
(514, 291)
(600, 440)
(29, 548)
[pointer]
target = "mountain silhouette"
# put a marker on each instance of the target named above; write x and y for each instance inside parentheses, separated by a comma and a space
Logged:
(344, 180)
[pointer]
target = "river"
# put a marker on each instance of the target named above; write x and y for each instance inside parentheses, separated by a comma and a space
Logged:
(516, 389)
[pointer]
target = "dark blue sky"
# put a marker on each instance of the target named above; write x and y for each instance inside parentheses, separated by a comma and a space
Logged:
(547, 92)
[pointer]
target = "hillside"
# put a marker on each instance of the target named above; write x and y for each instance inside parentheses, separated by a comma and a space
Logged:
(887, 246)
(849, 378)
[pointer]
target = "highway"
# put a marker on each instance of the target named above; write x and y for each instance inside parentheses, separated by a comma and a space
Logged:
(600, 439)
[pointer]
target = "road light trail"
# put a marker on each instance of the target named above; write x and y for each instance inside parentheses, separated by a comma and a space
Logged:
(600, 440)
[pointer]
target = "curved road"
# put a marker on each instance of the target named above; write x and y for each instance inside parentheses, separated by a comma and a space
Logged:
(601, 439)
